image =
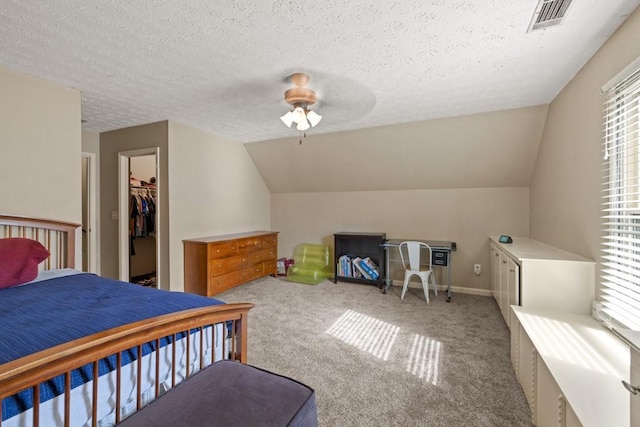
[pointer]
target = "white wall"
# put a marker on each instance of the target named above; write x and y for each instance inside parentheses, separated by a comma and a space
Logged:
(40, 148)
(214, 189)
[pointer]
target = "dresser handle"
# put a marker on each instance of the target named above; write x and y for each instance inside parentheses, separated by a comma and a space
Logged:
(632, 388)
(219, 265)
(504, 261)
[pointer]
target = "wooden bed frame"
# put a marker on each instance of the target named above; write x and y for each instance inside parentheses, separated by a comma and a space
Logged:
(29, 371)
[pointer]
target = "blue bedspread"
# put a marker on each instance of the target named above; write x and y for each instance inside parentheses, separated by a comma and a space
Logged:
(40, 315)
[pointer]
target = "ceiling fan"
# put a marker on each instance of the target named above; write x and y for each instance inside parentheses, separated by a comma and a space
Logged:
(300, 98)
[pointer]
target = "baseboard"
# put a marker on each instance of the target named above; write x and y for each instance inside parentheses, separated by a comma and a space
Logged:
(454, 289)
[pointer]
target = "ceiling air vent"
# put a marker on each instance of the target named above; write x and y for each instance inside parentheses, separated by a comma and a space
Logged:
(548, 13)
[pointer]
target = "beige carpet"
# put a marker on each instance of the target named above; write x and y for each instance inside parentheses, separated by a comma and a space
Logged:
(376, 360)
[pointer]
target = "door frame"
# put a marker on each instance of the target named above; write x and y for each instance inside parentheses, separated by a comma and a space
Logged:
(123, 212)
(93, 266)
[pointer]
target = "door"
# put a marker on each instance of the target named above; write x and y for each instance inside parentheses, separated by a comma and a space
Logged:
(89, 212)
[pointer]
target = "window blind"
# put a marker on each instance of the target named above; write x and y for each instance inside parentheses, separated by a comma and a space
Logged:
(620, 279)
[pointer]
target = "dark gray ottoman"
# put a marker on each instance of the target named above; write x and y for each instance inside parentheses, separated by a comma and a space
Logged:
(229, 393)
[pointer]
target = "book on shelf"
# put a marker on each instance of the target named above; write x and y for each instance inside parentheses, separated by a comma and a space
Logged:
(357, 273)
(357, 268)
(370, 267)
(357, 262)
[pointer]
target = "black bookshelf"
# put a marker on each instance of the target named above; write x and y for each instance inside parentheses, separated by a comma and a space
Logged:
(361, 245)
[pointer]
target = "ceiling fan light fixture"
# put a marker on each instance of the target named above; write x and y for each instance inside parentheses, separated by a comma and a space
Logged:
(300, 98)
(304, 125)
(299, 115)
(287, 119)
(314, 118)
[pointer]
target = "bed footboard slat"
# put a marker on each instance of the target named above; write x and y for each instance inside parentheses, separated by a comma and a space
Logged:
(139, 377)
(201, 352)
(188, 353)
(173, 361)
(67, 398)
(36, 405)
(157, 381)
(118, 385)
(94, 400)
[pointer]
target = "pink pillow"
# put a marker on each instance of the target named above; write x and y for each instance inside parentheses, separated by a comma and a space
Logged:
(19, 259)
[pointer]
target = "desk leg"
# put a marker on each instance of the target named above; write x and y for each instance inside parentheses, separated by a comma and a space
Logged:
(387, 277)
(449, 279)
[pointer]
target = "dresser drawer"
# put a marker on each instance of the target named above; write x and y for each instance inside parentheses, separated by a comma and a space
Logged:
(270, 268)
(256, 271)
(226, 281)
(226, 265)
(249, 245)
(222, 249)
(269, 241)
(263, 255)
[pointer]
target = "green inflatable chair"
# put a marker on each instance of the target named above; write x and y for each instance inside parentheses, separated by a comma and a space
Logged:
(311, 264)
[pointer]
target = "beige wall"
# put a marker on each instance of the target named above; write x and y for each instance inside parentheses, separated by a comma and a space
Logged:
(460, 179)
(111, 143)
(91, 142)
(215, 189)
(40, 146)
(466, 216)
(566, 185)
(487, 150)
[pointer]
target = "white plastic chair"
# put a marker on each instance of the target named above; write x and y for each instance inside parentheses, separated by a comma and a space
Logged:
(414, 267)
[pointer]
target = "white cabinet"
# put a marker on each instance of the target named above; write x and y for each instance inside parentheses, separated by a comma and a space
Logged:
(495, 271)
(571, 369)
(553, 410)
(532, 274)
(509, 285)
(523, 359)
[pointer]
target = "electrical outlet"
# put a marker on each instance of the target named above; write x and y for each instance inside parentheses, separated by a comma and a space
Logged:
(476, 269)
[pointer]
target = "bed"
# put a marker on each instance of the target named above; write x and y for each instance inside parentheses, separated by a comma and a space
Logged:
(79, 349)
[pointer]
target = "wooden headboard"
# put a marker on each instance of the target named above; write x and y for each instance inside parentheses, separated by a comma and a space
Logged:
(57, 236)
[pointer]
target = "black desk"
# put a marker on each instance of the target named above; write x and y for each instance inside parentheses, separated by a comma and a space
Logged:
(440, 257)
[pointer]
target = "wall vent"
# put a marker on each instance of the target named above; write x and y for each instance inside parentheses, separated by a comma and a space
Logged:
(548, 13)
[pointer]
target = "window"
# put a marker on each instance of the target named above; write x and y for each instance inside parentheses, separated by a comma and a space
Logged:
(620, 284)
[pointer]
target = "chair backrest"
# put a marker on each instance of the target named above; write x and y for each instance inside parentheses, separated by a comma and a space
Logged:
(413, 251)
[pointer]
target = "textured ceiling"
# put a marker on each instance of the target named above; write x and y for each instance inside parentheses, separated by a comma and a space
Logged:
(221, 66)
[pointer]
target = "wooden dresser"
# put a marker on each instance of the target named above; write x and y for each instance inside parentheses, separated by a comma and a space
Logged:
(217, 263)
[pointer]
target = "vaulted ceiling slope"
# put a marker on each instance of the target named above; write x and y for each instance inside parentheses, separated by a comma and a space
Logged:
(497, 149)
(221, 66)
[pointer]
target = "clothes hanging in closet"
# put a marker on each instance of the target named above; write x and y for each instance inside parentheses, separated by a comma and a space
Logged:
(143, 215)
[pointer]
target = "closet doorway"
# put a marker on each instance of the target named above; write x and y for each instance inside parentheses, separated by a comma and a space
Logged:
(139, 216)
